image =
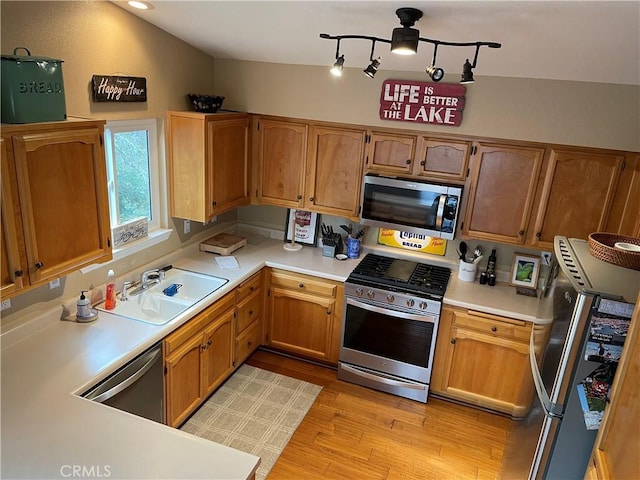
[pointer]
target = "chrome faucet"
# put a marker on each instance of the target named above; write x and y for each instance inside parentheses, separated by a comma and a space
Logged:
(151, 277)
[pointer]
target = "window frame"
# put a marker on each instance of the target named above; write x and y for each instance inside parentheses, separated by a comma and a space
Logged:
(150, 125)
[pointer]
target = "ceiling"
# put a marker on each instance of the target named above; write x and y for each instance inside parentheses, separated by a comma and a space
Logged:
(590, 41)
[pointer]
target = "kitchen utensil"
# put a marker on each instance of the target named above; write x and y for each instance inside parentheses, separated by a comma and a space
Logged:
(463, 251)
(477, 260)
(477, 253)
(347, 228)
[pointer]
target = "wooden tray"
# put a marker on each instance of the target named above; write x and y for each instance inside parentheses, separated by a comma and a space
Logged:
(223, 243)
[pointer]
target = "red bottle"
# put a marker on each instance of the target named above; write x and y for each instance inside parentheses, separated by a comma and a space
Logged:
(110, 302)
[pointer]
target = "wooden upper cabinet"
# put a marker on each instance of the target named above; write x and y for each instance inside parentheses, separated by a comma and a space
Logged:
(281, 152)
(208, 163)
(334, 170)
(12, 267)
(443, 159)
(577, 195)
(391, 153)
(61, 197)
(625, 212)
(503, 185)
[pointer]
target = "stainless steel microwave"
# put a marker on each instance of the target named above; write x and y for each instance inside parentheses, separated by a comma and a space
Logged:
(411, 205)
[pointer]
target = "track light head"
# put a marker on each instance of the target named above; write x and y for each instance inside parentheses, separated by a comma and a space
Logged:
(435, 73)
(337, 67)
(371, 70)
(404, 40)
(467, 73)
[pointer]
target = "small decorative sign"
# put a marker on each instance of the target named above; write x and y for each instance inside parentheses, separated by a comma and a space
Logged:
(130, 232)
(108, 88)
(412, 241)
(422, 102)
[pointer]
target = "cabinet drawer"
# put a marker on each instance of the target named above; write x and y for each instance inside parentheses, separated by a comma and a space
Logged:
(249, 286)
(303, 283)
(249, 310)
(247, 342)
(197, 323)
(493, 325)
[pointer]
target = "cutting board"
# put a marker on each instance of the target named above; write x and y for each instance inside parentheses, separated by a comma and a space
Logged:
(223, 243)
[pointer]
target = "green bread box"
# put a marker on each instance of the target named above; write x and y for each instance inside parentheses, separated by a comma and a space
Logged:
(32, 89)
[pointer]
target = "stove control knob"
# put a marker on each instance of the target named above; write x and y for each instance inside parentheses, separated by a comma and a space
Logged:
(410, 302)
(359, 292)
(391, 298)
(371, 294)
(423, 305)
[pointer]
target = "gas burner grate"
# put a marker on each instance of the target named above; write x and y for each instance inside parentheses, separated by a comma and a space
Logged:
(425, 279)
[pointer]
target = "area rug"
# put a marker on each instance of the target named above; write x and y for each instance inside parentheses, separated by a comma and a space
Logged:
(254, 411)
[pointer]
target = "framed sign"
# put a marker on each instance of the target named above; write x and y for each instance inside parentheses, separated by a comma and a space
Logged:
(107, 88)
(302, 224)
(422, 102)
(525, 270)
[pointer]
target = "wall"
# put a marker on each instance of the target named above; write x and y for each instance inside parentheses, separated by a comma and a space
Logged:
(571, 113)
(97, 37)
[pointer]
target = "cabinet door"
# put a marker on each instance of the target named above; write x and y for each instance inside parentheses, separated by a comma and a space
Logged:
(11, 263)
(183, 380)
(281, 150)
(217, 363)
(503, 186)
(63, 199)
(390, 153)
(445, 159)
(334, 171)
(625, 213)
(300, 323)
(577, 195)
(228, 153)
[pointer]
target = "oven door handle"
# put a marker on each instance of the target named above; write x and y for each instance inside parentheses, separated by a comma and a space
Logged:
(386, 381)
(389, 312)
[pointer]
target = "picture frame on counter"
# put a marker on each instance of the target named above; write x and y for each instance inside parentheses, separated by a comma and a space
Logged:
(303, 225)
(525, 270)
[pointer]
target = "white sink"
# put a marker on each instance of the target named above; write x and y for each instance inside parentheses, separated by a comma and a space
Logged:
(153, 306)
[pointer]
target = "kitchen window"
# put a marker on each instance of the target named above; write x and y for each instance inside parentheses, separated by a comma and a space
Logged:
(133, 176)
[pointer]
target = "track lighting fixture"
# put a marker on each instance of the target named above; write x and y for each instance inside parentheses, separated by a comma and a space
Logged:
(404, 41)
(337, 67)
(371, 70)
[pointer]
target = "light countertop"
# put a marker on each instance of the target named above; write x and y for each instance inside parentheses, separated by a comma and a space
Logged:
(48, 430)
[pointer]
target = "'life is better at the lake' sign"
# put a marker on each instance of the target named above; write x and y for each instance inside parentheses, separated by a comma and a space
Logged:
(422, 102)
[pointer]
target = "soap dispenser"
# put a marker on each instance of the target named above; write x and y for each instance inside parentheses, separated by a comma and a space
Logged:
(84, 312)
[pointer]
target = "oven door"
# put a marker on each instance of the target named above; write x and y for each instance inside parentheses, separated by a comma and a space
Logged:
(393, 342)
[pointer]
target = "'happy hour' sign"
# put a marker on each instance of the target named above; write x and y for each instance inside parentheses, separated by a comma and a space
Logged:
(422, 102)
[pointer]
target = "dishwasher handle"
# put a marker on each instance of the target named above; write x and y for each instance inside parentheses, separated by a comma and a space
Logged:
(96, 395)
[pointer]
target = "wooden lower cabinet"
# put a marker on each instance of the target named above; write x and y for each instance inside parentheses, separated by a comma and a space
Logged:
(304, 315)
(198, 357)
(483, 360)
(248, 321)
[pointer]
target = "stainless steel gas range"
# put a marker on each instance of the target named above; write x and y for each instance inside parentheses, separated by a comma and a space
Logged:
(391, 314)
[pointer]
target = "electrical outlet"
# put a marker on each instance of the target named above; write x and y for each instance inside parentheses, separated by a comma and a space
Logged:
(187, 226)
(5, 304)
(546, 258)
(54, 284)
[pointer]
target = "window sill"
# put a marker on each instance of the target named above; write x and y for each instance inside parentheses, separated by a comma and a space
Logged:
(154, 238)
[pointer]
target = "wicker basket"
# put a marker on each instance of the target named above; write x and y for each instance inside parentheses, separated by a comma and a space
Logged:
(601, 246)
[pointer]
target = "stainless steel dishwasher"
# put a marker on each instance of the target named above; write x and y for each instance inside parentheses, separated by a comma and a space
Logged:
(135, 388)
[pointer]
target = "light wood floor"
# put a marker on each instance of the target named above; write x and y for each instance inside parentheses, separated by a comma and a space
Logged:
(355, 433)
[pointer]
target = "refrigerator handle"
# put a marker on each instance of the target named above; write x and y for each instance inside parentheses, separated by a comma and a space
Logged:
(550, 409)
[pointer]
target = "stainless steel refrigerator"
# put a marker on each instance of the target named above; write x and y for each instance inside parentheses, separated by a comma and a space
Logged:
(553, 441)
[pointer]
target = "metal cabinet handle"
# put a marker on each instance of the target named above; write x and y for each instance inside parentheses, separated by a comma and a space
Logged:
(423, 163)
(538, 234)
(521, 232)
(328, 311)
(494, 329)
(203, 347)
(301, 285)
(18, 273)
(250, 313)
(408, 162)
(209, 343)
(299, 197)
(453, 341)
(39, 265)
(249, 343)
(311, 199)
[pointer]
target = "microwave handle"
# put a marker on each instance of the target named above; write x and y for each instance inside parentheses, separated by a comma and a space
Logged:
(442, 199)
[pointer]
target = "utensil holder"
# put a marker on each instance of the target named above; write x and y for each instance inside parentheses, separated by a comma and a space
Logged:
(353, 247)
(467, 271)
